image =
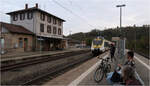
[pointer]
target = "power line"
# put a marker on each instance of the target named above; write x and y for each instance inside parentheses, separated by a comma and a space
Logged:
(70, 2)
(81, 10)
(77, 5)
(72, 13)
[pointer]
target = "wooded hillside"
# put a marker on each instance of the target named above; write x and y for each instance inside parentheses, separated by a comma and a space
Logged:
(137, 37)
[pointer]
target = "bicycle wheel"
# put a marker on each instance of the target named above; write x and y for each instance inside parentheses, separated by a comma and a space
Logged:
(108, 68)
(98, 75)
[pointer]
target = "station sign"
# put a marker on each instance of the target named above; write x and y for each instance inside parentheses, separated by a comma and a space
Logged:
(115, 38)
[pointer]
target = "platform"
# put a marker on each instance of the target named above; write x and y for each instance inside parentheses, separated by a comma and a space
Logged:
(83, 74)
(19, 56)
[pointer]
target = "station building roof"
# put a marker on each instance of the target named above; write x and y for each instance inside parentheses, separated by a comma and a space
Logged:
(33, 9)
(16, 28)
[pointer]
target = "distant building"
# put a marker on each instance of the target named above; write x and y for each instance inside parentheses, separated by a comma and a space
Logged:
(83, 43)
(48, 28)
(15, 38)
(73, 43)
(65, 43)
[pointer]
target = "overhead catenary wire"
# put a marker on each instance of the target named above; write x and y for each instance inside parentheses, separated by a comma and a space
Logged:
(81, 10)
(73, 13)
(70, 2)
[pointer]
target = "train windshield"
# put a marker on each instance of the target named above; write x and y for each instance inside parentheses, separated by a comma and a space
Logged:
(97, 42)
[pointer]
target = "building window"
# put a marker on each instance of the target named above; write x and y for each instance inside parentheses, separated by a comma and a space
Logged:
(2, 43)
(49, 19)
(54, 21)
(54, 30)
(29, 15)
(49, 29)
(20, 43)
(22, 16)
(42, 27)
(59, 31)
(42, 16)
(15, 17)
(59, 23)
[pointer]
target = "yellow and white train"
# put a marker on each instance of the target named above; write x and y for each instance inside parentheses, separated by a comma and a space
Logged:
(99, 45)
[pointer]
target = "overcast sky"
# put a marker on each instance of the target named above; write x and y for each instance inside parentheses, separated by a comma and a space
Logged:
(87, 14)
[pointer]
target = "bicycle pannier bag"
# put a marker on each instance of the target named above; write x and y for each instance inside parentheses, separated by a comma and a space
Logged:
(116, 77)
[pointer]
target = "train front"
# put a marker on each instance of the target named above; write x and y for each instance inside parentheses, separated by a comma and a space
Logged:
(96, 46)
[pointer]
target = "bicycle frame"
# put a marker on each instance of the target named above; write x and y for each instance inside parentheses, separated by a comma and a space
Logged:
(104, 67)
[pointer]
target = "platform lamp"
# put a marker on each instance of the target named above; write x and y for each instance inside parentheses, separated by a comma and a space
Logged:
(121, 41)
(120, 6)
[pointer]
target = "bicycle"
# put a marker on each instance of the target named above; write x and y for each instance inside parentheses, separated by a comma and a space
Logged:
(102, 70)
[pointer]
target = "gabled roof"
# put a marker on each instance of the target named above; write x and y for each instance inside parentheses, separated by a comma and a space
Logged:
(33, 9)
(16, 28)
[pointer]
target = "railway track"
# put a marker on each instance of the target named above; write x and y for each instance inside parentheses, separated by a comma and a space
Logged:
(52, 70)
(60, 69)
(144, 55)
(56, 71)
(38, 78)
(41, 59)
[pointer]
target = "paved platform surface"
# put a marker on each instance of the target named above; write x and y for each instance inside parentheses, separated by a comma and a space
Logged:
(141, 69)
(83, 75)
(34, 54)
(73, 74)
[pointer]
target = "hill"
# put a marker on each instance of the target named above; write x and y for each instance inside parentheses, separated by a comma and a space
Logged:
(137, 37)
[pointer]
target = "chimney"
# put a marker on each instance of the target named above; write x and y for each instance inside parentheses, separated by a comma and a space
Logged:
(36, 5)
(26, 6)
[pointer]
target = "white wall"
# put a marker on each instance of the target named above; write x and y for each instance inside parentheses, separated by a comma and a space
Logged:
(45, 33)
(27, 23)
(34, 25)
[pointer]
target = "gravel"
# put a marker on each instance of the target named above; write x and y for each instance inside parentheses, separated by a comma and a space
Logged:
(20, 75)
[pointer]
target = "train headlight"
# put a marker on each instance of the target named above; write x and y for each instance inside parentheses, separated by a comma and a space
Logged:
(98, 46)
(95, 46)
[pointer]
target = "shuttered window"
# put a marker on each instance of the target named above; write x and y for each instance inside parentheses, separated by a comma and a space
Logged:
(42, 27)
(48, 29)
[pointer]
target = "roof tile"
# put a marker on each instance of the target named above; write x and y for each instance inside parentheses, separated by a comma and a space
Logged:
(16, 28)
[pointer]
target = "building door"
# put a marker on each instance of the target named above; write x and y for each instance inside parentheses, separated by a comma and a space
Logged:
(25, 44)
(46, 44)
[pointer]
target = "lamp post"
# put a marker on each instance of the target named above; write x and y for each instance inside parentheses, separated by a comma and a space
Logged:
(70, 32)
(120, 6)
(121, 42)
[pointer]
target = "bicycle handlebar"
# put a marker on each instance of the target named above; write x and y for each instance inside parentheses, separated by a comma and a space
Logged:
(106, 59)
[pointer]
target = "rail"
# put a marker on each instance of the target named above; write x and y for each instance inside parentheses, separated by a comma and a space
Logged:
(57, 70)
(39, 60)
